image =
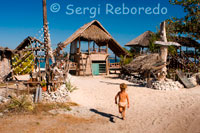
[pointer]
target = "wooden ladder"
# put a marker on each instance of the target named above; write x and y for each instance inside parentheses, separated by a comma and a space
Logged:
(83, 65)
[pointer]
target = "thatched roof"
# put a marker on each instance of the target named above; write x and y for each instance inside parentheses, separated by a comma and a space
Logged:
(26, 42)
(185, 41)
(6, 52)
(94, 31)
(143, 40)
(6, 49)
(144, 63)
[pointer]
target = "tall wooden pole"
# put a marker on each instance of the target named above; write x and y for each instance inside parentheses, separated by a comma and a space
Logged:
(46, 41)
(163, 49)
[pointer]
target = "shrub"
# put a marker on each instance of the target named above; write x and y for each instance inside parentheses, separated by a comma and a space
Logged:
(70, 87)
(20, 104)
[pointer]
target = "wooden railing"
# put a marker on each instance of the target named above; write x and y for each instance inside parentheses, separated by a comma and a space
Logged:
(114, 66)
(73, 66)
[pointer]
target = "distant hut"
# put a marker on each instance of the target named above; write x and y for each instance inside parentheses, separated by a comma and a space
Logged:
(96, 40)
(144, 40)
(5, 62)
(187, 54)
(141, 42)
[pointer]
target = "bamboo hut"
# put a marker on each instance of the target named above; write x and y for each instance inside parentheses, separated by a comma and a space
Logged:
(96, 40)
(5, 62)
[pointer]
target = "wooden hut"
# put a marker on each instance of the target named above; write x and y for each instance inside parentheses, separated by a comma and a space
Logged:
(141, 42)
(144, 40)
(185, 59)
(5, 62)
(96, 40)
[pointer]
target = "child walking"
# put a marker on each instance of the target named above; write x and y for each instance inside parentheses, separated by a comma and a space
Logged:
(123, 99)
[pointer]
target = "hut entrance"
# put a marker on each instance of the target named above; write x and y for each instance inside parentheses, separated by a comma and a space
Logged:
(98, 67)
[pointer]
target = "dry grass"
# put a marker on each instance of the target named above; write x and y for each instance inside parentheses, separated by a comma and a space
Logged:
(23, 105)
(45, 107)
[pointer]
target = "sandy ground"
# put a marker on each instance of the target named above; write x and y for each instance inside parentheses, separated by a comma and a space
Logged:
(151, 111)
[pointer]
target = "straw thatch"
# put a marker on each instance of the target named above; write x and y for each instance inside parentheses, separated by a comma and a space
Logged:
(6, 52)
(26, 42)
(6, 49)
(94, 31)
(185, 41)
(143, 40)
(145, 63)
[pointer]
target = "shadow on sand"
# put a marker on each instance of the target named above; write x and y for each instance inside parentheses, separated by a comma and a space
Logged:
(110, 116)
(110, 83)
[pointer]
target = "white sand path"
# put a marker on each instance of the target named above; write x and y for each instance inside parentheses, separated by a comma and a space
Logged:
(150, 110)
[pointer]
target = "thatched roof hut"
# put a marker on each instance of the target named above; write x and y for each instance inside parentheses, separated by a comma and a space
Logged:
(185, 41)
(145, 63)
(143, 40)
(94, 31)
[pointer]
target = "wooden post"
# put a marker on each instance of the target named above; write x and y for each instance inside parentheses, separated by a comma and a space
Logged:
(107, 65)
(79, 40)
(46, 42)
(93, 46)
(88, 47)
(107, 48)
(163, 50)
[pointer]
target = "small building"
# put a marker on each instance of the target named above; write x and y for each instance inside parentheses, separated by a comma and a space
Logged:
(89, 49)
(5, 62)
(141, 42)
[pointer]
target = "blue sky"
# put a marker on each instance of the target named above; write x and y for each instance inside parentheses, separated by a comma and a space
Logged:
(22, 18)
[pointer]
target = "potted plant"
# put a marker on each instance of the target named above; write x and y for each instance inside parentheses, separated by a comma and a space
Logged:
(43, 85)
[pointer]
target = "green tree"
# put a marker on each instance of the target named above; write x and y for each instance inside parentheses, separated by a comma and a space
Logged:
(190, 24)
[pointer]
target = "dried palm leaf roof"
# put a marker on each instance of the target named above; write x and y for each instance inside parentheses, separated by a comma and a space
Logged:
(26, 42)
(94, 31)
(142, 40)
(6, 51)
(185, 41)
(144, 63)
